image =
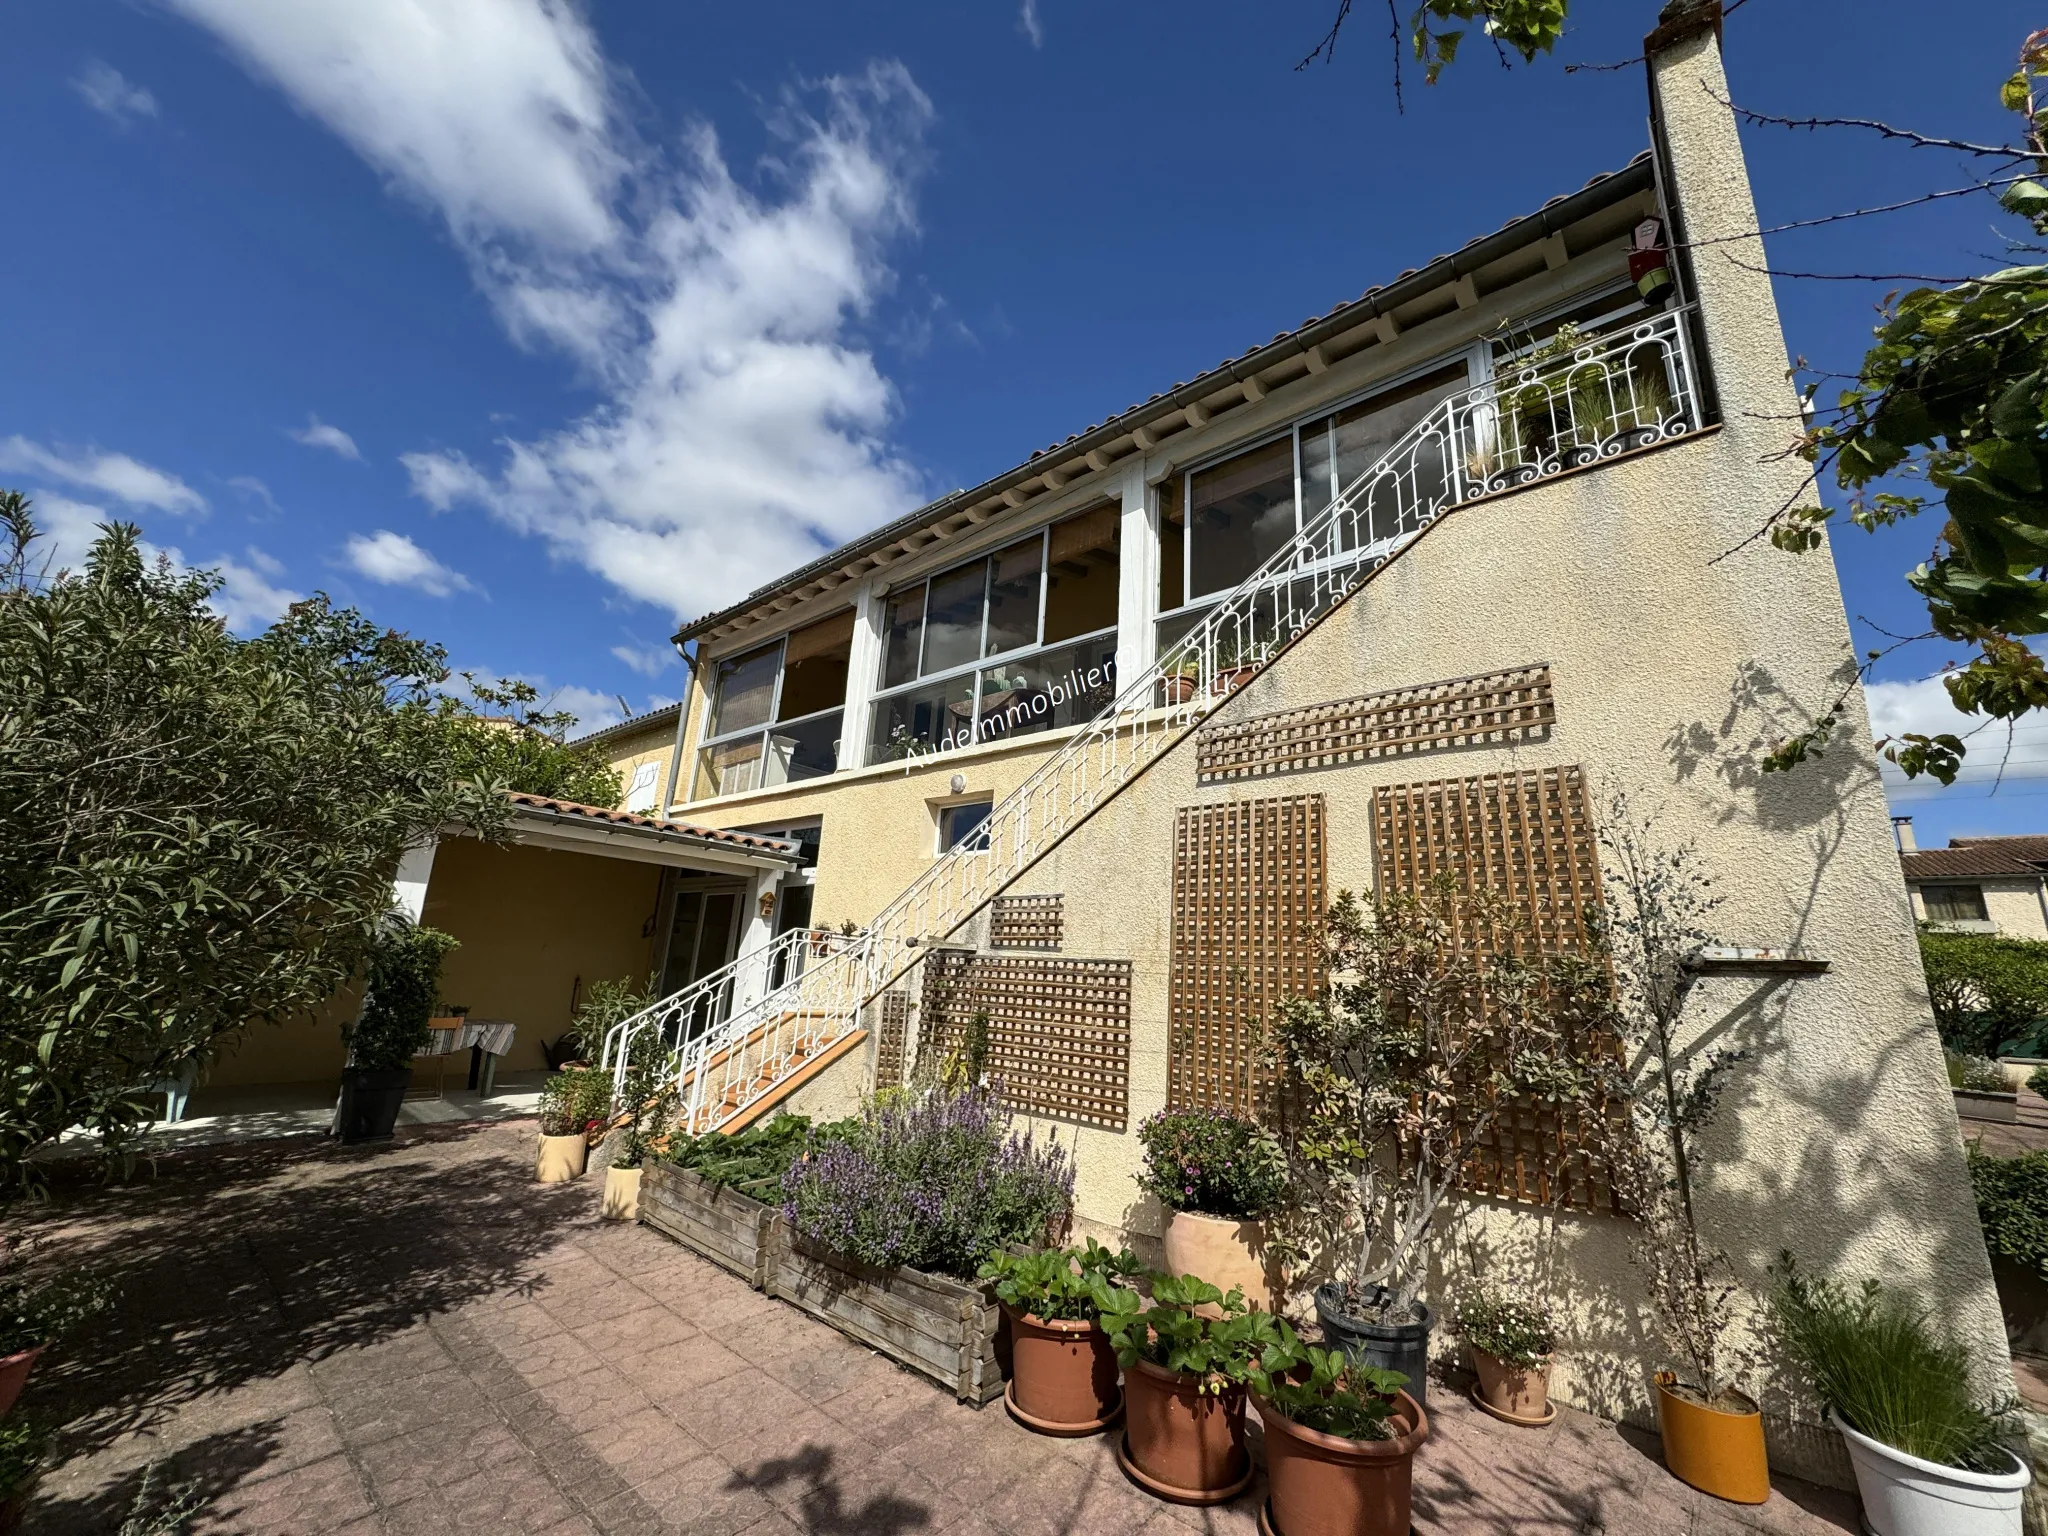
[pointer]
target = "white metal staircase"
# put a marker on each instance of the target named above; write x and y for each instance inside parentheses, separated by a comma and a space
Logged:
(1627, 389)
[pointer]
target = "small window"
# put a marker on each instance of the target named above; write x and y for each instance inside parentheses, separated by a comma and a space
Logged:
(744, 690)
(1954, 903)
(640, 793)
(965, 826)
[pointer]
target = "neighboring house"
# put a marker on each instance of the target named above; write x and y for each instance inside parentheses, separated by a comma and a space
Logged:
(1407, 591)
(1977, 884)
(643, 750)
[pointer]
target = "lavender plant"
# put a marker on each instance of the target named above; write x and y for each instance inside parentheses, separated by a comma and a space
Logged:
(935, 1183)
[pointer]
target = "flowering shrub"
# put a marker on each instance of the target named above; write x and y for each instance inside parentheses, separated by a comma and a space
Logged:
(1212, 1161)
(1514, 1332)
(936, 1184)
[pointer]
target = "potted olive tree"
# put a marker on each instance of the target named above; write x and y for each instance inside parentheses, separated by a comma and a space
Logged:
(1184, 1385)
(405, 978)
(1399, 1071)
(1063, 1366)
(1341, 1440)
(1218, 1175)
(1932, 1457)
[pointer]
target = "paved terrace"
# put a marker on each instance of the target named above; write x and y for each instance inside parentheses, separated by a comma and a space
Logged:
(418, 1338)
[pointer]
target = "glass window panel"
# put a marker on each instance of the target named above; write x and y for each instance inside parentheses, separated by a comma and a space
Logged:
(965, 826)
(952, 630)
(745, 689)
(731, 768)
(1054, 688)
(1239, 514)
(1081, 574)
(1954, 903)
(905, 619)
(806, 751)
(814, 667)
(1172, 547)
(1014, 579)
(927, 719)
(1337, 450)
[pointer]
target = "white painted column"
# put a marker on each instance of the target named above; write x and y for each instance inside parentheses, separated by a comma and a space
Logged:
(863, 667)
(415, 869)
(1138, 578)
(757, 931)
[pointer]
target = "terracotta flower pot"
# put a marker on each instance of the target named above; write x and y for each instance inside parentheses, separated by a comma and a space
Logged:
(14, 1376)
(1519, 1394)
(1325, 1485)
(621, 1198)
(1181, 1443)
(1180, 688)
(1716, 1452)
(562, 1158)
(1230, 679)
(1224, 1251)
(1062, 1375)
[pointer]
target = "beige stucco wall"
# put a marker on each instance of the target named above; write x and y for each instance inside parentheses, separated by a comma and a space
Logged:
(2012, 907)
(627, 752)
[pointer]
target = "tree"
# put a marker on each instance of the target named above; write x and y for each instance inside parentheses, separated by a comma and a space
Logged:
(197, 833)
(1988, 990)
(523, 747)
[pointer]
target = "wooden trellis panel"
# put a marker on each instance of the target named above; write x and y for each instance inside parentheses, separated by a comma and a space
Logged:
(1027, 922)
(889, 1041)
(1492, 709)
(1531, 836)
(1059, 1029)
(1249, 891)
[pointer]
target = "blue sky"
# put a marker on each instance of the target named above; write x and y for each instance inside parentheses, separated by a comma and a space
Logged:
(532, 328)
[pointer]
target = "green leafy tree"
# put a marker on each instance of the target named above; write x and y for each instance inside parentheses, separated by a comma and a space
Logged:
(1987, 990)
(197, 833)
(523, 746)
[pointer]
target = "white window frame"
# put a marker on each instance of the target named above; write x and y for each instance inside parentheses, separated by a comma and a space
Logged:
(706, 742)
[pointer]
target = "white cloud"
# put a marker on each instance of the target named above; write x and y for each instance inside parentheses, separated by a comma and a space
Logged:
(593, 710)
(647, 660)
(255, 490)
(743, 423)
(249, 598)
(67, 530)
(268, 564)
(1993, 755)
(111, 94)
(1029, 24)
(396, 561)
(318, 434)
(111, 474)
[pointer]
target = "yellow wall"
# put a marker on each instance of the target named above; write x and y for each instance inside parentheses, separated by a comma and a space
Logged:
(305, 1050)
(625, 753)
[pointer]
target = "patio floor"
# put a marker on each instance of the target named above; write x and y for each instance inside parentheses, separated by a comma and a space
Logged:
(418, 1338)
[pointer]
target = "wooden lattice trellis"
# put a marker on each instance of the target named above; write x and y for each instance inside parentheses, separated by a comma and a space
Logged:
(1249, 893)
(1531, 836)
(889, 1042)
(1492, 709)
(1027, 922)
(1059, 1029)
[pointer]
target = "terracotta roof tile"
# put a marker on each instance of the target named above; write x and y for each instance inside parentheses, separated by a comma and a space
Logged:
(1967, 857)
(752, 841)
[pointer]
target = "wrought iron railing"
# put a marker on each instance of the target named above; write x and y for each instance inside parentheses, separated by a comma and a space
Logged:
(1560, 408)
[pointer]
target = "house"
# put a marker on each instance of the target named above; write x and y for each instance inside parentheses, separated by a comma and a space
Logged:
(1977, 884)
(1412, 589)
(644, 751)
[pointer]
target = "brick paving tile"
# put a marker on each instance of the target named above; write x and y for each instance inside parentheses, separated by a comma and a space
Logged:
(419, 1339)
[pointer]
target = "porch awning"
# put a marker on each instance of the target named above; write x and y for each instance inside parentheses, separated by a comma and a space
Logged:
(562, 824)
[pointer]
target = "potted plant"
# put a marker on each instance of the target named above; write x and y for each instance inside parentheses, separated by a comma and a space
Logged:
(1980, 1088)
(1340, 1442)
(621, 1198)
(573, 1102)
(404, 980)
(1180, 680)
(1397, 1075)
(1063, 1366)
(1184, 1385)
(1511, 1343)
(1666, 1083)
(1931, 1457)
(24, 1447)
(35, 1314)
(1218, 1175)
(1238, 657)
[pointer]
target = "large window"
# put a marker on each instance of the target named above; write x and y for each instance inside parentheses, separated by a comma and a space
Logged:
(1218, 523)
(776, 712)
(1019, 641)
(1955, 903)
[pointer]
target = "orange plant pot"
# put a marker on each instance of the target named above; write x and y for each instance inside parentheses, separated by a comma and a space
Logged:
(1062, 1375)
(1224, 1251)
(1716, 1452)
(14, 1376)
(1325, 1485)
(1181, 1443)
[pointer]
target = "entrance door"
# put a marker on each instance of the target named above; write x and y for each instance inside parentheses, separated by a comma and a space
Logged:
(704, 933)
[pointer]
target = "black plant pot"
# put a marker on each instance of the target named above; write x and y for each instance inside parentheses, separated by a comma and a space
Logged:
(1402, 1347)
(370, 1102)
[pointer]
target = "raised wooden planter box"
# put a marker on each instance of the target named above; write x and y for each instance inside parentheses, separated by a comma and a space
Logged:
(2002, 1108)
(730, 1229)
(941, 1327)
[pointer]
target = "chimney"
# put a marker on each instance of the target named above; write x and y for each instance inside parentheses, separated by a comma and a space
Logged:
(1902, 834)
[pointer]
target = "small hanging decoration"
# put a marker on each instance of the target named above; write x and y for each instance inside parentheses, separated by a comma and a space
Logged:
(1649, 264)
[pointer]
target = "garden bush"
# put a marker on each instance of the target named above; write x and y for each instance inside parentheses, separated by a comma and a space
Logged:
(1975, 1074)
(1213, 1162)
(405, 978)
(935, 1183)
(2012, 1203)
(1989, 992)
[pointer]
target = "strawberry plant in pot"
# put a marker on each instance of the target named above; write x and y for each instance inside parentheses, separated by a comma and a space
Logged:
(1063, 1367)
(1218, 1175)
(1340, 1442)
(1511, 1342)
(1442, 1015)
(24, 1450)
(1184, 1384)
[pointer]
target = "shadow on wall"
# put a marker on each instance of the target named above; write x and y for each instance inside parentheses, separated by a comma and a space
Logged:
(1730, 753)
(236, 1263)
